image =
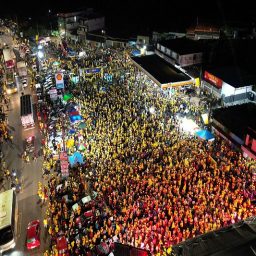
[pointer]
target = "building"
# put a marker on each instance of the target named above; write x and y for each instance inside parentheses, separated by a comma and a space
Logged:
(181, 52)
(68, 22)
(161, 72)
(235, 240)
(89, 23)
(237, 124)
(231, 84)
(158, 36)
(201, 31)
(79, 23)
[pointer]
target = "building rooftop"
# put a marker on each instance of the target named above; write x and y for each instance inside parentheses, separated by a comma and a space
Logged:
(233, 75)
(161, 70)
(182, 45)
(237, 118)
(238, 239)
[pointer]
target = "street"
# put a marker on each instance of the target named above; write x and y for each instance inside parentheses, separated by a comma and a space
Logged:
(28, 173)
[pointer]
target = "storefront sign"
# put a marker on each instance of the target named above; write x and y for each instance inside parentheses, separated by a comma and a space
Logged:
(213, 79)
(59, 81)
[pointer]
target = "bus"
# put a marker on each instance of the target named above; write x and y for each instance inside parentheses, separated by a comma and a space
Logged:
(9, 58)
(8, 220)
(26, 111)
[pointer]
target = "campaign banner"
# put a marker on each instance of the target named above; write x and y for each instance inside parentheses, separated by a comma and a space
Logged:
(59, 80)
(92, 70)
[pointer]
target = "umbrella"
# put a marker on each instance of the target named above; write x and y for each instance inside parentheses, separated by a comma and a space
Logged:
(70, 143)
(81, 147)
(72, 131)
(205, 134)
(55, 63)
(67, 96)
(82, 125)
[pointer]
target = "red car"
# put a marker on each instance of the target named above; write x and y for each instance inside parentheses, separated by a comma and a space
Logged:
(33, 235)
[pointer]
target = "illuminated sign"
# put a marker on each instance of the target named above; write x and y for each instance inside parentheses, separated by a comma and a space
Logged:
(92, 70)
(213, 79)
(189, 82)
(59, 81)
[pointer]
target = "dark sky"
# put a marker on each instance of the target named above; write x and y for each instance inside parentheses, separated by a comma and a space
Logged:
(142, 14)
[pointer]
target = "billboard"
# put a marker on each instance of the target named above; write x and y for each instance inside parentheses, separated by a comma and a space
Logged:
(213, 80)
(59, 80)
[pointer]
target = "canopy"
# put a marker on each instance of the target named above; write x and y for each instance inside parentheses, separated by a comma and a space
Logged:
(72, 131)
(67, 96)
(205, 134)
(82, 125)
(75, 118)
(81, 147)
(55, 63)
(76, 158)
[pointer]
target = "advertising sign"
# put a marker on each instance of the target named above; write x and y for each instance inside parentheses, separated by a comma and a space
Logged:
(92, 70)
(59, 80)
(213, 79)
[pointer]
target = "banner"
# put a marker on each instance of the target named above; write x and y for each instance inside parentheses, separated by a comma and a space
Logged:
(213, 79)
(59, 80)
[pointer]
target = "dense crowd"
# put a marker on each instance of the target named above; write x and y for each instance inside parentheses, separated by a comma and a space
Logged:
(150, 184)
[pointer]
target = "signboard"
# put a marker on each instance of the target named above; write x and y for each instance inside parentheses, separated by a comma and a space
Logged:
(59, 80)
(92, 70)
(53, 94)
(213, 79)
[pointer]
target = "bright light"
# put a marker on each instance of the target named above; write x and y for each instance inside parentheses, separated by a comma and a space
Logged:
(144, 47)
(152, 110)
(81, 54)
(75, 19)
(188, 125)
(40, 54)
(39, 47)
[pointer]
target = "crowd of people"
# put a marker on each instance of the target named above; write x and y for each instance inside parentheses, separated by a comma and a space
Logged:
(148, 184)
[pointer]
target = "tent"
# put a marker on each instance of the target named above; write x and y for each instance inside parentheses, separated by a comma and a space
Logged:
(75, 118)
(72, 131)
(82, 147)
(76, 158)
(67, 96)
(82, 125)
(205, 134)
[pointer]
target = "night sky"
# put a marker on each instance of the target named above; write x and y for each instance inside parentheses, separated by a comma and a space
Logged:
(144, 15)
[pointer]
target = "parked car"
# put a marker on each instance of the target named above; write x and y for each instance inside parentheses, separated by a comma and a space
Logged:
(33, 235)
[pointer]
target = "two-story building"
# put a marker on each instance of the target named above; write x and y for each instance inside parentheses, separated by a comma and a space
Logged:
(181, 52)
(90, 23)
(230, 83)
(68, 22)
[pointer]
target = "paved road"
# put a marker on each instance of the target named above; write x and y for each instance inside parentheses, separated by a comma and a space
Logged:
(29, 173)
